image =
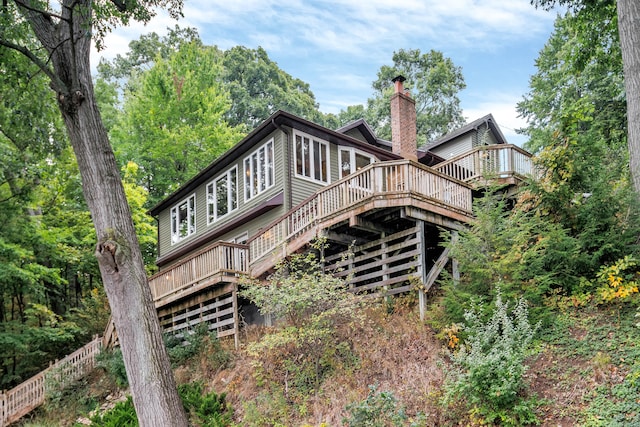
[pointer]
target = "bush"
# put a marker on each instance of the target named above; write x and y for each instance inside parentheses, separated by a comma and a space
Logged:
(123, 414)
(193, 342)
(379, 409)
(113, 363)
(487, 372)
(204, 410)
(316, 313)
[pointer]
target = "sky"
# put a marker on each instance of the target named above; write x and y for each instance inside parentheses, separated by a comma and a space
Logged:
(338, 46)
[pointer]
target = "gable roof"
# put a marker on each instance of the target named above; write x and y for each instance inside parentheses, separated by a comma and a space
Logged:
(367, 132)
(271, 124)
(470, 127)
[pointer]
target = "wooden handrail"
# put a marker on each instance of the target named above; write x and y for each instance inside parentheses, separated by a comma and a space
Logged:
(486, 161)
(400, 176)
(220, 257)
(25, 397)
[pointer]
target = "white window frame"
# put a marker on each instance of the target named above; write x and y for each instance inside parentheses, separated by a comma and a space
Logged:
(352, 159)
(259, 170)
(191, 219)
(323, 146)
(212, 195)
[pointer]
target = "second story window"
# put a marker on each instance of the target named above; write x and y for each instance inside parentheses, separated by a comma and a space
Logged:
(183, 219)
(222, 195)
(258, 171)
(312, 158)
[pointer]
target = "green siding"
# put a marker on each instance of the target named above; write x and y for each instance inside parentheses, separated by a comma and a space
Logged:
(454, 148)
(164, 242)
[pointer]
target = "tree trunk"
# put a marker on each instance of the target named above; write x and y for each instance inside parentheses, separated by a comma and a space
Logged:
(629, 29)
(152, 383)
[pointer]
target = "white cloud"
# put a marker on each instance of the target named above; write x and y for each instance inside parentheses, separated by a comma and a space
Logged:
(503, 108)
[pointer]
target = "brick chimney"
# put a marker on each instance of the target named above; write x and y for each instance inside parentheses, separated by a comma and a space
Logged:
(404, 136)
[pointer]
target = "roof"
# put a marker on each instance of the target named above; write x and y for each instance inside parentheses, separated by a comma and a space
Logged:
(470, 127)
(367, 132)
(273, 123)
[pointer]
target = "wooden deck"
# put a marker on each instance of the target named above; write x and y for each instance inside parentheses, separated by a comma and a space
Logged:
(439, 194)
(488, 163)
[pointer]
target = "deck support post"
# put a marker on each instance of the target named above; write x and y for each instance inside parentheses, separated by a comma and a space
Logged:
(455, 271)
(236, 318)
(422, 270)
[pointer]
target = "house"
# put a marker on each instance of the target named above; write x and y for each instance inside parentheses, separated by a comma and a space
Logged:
(291, 180)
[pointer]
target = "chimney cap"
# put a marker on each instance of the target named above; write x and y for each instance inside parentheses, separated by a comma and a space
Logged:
(400, 78)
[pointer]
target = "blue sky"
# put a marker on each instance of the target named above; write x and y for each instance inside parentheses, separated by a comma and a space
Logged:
(338, 46)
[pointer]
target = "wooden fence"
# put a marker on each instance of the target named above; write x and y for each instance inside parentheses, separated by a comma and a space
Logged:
(27, 396)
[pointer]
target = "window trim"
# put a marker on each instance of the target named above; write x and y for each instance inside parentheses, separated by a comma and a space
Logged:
(352, 159)
(250, 163)
(312, 156)
(175, 234)
(213, 200)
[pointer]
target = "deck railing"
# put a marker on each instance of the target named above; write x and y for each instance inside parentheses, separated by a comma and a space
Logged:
(384, 178)
(222, 257)
(27, 396)
(488, 161)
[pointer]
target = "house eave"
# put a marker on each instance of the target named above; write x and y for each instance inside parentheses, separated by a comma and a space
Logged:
(268, 126)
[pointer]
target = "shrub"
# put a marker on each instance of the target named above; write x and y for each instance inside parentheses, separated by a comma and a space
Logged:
(487, 371)
(379, 409)
(205, 410)
(113, 363)
(123, 414)
(316, 313)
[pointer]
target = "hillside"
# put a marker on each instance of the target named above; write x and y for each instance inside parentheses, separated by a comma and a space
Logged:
(584, 371)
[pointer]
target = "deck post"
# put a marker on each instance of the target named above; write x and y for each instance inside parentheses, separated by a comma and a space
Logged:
(236, 319)
(422, 270)
(455, 272)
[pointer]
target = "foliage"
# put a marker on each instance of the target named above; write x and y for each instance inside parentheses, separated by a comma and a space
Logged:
(576, 114)
(204, 409)
(617, 282)
(173, 122)
(617, 405)
(379, 409)
(123, 414)
(434, 81)
(193, 342)
(113, 363)
(268, 409)
(137, 197)
(317, 314)
(259, 87)
(522, 253)
(488, 369)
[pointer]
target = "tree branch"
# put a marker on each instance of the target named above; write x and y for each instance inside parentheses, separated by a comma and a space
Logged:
(57, 83)
(28, 6)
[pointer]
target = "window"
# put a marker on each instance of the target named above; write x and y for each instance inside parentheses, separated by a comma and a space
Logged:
(258, 171)
(222, 195)
(183, 219)
(352, 160)
(312, 158)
